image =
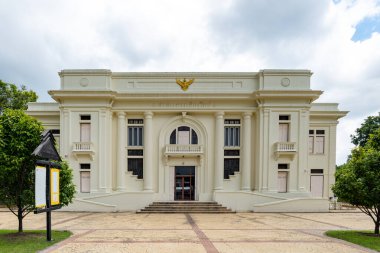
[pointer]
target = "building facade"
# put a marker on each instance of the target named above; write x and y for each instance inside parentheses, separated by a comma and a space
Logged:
(250, 141)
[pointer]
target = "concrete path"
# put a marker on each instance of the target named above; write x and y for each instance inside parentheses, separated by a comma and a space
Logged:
(241, 232)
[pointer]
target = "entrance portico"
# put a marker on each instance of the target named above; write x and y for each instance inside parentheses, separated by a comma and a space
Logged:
(183, 141)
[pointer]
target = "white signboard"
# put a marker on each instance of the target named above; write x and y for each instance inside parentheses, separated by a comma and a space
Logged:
(40, 187)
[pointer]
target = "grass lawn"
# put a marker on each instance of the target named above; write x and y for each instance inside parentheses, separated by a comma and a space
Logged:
(29, 240)
(364, 238)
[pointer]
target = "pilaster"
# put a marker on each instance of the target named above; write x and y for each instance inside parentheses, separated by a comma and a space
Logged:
(246, 153)
(327, 192)
(148, 151)
(219, 151)
(102, 152)
(121, 155)
(265, 153)
(303, 150)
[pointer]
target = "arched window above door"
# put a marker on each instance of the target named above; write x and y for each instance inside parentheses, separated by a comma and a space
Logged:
(183, 135)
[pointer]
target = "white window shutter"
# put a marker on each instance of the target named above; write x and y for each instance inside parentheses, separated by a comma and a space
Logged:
(85, 181)
(316, 186)
(282, 181)
(284, 132)
(85, 132)
(319, 144)
(183, 137)
(311, 144)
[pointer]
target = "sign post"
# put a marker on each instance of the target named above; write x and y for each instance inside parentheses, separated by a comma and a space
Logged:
(47, 179)
(47, 195)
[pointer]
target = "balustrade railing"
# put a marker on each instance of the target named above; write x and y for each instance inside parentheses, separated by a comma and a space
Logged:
(286, 147)
(183, 149)
(82, 146)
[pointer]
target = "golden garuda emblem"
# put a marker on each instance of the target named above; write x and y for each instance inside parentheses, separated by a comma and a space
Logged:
(184, 84)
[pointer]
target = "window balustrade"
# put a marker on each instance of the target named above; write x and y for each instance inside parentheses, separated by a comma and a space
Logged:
(83, 148)
(183, 149)
(285, 149)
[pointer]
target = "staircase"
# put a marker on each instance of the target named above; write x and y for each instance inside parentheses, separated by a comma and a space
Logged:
(185, 207)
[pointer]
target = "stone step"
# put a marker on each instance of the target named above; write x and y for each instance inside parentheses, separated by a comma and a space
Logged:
(185, 207)
(186, 211)
(181, 205)
(181, 210)
(185, 203)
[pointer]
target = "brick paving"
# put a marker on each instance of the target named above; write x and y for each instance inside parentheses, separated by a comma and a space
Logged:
(241, 232)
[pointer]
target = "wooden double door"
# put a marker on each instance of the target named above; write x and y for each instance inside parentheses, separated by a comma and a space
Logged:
(184, 186)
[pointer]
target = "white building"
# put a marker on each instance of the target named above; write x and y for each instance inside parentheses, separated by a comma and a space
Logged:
(250, 141)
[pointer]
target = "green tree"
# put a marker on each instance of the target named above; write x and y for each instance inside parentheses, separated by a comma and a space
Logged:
(21, 135)
(369, 126)
(67, 188)
(358, 181)
(14, 98)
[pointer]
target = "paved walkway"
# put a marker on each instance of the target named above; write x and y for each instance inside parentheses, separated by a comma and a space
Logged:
(241, 232)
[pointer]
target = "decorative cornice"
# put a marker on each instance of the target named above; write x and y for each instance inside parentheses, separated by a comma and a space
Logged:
(310, 95)
(175, 75)
(285, 72)
(87, 72)
(329, 114)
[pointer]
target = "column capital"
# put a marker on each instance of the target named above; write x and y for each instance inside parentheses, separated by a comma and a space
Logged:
(66, 112)
(120, 114)
(219, 114)
(247, 114)
(266, 112)
(148, 114)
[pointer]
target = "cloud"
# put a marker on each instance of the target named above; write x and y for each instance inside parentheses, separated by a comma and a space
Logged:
(42, 37)
(279, 35)
(261, 21)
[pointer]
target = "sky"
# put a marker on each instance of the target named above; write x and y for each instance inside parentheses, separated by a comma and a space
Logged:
(338, 40)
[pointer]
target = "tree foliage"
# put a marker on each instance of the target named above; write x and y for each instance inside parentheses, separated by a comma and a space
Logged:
(14, 98)
(67, 188)
(20, 135)
(358, 181)
(369, 126)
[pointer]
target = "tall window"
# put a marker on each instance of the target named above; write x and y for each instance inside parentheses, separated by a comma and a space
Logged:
(316, 183)
(135, 147)
(232, 133)
(85, 177)
(85, 128)
(183, 135)
(282, 181)
(316, 141)
(282, 177)
(135, 132)
(284, 121)
(231, 147)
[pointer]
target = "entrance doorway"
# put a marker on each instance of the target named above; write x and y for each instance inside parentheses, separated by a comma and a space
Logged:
(184, 186)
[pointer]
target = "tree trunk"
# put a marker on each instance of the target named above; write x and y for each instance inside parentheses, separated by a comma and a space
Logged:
(19, 216)
(377, 225)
